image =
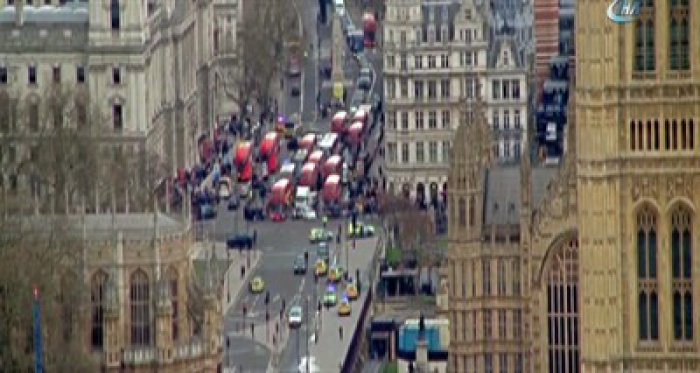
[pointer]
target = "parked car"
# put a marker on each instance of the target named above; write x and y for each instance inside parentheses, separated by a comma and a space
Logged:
(296, 316)
(206, 212)
(240, 241)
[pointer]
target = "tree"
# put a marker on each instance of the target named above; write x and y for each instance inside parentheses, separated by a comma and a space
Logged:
(267, 29)
(50, 260)
(75, 158)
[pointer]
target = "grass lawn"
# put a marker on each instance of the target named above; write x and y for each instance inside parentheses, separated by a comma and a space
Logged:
(391, 368)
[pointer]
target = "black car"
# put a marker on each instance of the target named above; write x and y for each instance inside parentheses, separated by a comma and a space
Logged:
(240, 241)
(233, 202)
(252, 213)
(300, 265)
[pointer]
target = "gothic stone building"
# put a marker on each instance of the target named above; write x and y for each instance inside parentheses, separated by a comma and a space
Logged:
(591, 269)
(146, 311)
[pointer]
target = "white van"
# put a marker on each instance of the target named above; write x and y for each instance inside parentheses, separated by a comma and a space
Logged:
(340, 7)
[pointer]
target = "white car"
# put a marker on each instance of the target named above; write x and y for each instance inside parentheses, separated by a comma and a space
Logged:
(296, 316)
(224, 191)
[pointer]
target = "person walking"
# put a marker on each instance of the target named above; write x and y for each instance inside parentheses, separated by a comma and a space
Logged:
(340, 332)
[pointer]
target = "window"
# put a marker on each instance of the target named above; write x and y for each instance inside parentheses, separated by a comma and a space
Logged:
(646, 275)
(463, 59)
(419, 120)
(644, 58)
(117, 117)
(404, 61)
(679, 47)
(116, 76)
(445, 61)
(3, 75)
(469, 87)
(418, 61)
(403, 86)
(391, 61)
(516, 119)
(446, 119)
(503, 363)
(420, 152)
(404, 120)
(515, 87)
(501, 277)
(80, 74)
(486, 273)
(174, 303)
(432, 89)
(445, 151)
(418, 89)
(404, 153)
(506, 89)
(445, 88)
(432, 152)
(391, 119)
(681, 283)
(390, 88)
(469, 58)
(56, 74)
(468, 36)
(31, 74)
(432, 62)
(496, 89)
(488, 363)
(391, 150)
(472, 213)
(502, 324)
(562, 309)
(495, 122)
(140, 297)
(34, 117)
(97, 299)
(115, 16)
(462, 212)
(506, 119)
(517, 324)
(432, 119)
(519, 363)
(487, 325)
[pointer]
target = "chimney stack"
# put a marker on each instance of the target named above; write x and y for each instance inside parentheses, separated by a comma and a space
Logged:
(19, 13)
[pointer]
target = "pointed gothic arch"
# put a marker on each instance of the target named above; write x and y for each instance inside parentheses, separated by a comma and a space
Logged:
(98, 285)
(140, 308)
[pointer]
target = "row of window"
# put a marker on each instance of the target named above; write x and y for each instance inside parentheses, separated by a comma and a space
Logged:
(431, 89)
(679, 36)
(432, 34)
(9, 118)
(676, 135)
(419, 148)
(56, 75)
(466, 59)
(681, 266)
(466, 285)
(466, 325)
(505, 89)
(497, 115)
(39, 2)
(141, 315)
(485, 364)
(419, 120)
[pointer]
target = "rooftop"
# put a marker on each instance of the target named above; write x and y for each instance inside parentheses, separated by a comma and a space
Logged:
(502, 196)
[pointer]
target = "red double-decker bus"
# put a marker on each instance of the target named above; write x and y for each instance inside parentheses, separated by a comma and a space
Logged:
(244, 166)
(270, 151)
(369, 25)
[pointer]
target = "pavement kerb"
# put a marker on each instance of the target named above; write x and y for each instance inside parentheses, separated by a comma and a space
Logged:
(235, 282)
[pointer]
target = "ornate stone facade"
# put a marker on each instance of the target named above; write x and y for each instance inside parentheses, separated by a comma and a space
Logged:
(600, 271)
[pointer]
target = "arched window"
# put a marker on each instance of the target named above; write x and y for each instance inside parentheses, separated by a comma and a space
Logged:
(114, 14)
(174, 290)
(562, 309)
(97, 298)
(679, 43)
(633, 135)
(648, 302)
(681, 273)
(472, 211)
(140, 309)
(656, 134)
(462, 212)
(644, 59)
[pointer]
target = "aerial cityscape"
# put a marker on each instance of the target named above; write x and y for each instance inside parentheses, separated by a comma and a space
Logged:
(351, 186)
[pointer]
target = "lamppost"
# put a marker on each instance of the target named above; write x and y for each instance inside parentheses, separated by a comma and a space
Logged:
(308, 326)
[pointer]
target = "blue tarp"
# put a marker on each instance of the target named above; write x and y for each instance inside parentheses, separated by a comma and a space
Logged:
(408, 337)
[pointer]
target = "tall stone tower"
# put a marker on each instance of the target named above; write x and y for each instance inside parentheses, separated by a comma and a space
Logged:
(638, 177)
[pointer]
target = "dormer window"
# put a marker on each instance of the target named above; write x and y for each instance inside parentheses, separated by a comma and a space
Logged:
(115, 16)
(506, 61)
(56, 73)
(3, 75)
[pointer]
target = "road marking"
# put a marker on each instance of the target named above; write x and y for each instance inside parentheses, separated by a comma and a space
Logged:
(275, 298)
